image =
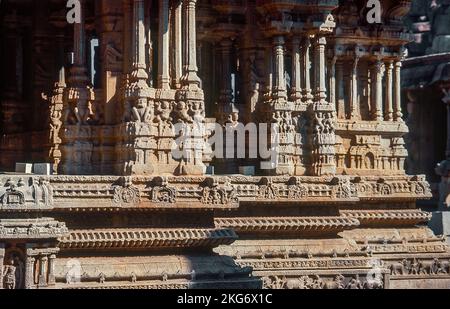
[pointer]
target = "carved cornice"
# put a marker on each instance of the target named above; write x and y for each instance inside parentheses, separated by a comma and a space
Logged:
(215, 192)
(147, 238)
(292, 224)
(303, 264)
(25, 193)
(371, 127)
(43, 228)
(410, 217)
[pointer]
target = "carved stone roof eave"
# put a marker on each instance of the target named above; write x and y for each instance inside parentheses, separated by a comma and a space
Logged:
(404, 217)
(287, 224)
(147, 238)
(363, 40)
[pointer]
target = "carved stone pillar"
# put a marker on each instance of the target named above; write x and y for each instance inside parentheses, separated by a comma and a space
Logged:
(137, 129)
(77, 143)
(79, 75)
(322, 118)
(340, 99)
(191, 79)
(281, 111)
(320, 88)
(51, 269)
(43, 265)
(29, 271)
(377, 80)
(163, 46)
(139, 75)
(56, 104)
(2, 257)
(354, 108)
(269, 70)
(279, 81)
(398, 115)
(178, 43)
(332, 80)
(127, 36)
(226, 92)
(388, 109)
(306, 70)
(296, 91)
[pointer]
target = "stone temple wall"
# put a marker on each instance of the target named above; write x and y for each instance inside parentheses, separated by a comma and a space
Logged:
(426, 77)
(335, 210)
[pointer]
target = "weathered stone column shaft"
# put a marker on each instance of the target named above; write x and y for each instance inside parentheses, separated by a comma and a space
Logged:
(332, 80)
(29, 271)
(269, 67)
(79, 77)
(138, 40)
(340, 100)
(191, 78)
(378, 71)
(398, 115)
(388, 113)
(306, 70)
(178, 44)
(163, 46)
(279, 82)
(2, 257)
(354, 89)
(43, 270)
(226, 92)
(320, 67)
(296, 93)
(51, 269)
